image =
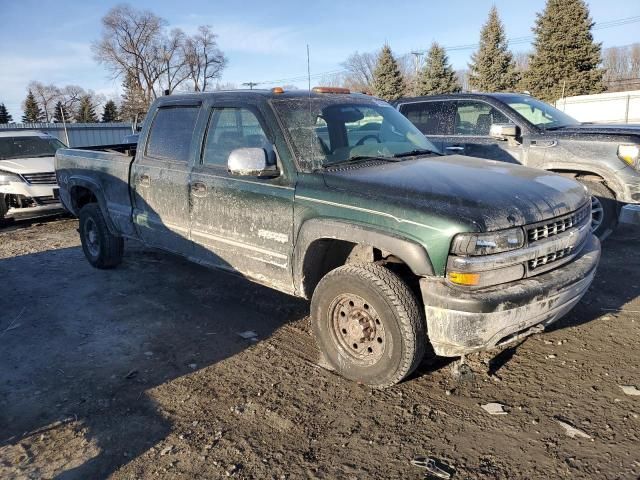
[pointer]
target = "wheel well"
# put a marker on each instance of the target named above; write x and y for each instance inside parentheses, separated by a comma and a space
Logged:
(81, 196)
(586, 176)
(326, 254)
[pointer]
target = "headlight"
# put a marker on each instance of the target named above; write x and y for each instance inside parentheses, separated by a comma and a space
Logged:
(6, 178)
(629, 154)
(487, 243)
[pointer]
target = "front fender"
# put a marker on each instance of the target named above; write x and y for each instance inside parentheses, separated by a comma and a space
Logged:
(410, 252)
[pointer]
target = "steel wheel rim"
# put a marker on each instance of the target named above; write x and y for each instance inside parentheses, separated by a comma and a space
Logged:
(597, 213)
(91, 237)
(357, 329)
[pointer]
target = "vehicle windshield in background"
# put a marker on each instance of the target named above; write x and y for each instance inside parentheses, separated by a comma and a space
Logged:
(539, 113)
(329, 131)
(25, 147)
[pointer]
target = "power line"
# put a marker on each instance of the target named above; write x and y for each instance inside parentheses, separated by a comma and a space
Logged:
(456, 48)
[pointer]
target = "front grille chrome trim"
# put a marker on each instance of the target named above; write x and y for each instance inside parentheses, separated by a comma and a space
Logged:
(42, 178)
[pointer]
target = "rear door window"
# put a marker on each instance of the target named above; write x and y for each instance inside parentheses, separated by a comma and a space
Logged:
(431, 118)
(171, 133)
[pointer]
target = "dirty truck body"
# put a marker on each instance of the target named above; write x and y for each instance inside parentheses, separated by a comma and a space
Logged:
(518, 128)
(337, 198)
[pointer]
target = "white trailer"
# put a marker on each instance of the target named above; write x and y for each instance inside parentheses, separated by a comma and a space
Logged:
(614, 107)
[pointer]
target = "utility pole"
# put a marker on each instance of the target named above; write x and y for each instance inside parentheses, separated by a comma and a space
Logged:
(250, 84)
(416, 57)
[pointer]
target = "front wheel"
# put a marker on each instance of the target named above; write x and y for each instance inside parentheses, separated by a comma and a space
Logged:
(102, 248)
(368, 324)
(604, 210)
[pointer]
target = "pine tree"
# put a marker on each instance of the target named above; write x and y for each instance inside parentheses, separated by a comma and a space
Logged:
(387, 79)
(565, 57)
(492, 67)
(86, 111)
(5, 116)
(437, 76)
(110, 112)
(61, 114)
(32, 111)
(133, 103)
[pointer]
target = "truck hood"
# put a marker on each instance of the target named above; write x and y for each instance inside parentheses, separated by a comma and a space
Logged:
(28, 165)
(603, 131)
(488, 194)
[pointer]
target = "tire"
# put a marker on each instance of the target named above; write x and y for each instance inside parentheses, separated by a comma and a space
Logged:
(103, 249)
(4, 208)
(604, 208)
(368, 324)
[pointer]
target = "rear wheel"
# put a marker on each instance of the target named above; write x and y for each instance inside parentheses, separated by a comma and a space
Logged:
(102, 248)
(368, 324)
(604, 210)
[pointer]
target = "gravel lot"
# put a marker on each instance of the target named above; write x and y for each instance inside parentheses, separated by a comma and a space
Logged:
(140, 372)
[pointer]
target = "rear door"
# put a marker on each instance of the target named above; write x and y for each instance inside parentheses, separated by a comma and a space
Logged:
(472, 120)
(160, 178)
(243, 224)
(432, 118)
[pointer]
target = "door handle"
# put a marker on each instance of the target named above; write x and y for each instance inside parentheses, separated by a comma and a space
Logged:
(454, 148)
(144, 180)
(199, 189)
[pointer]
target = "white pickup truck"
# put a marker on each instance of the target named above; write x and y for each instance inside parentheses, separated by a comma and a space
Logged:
(28, 185)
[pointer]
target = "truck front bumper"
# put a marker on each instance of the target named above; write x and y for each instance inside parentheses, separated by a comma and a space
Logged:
(464, 321)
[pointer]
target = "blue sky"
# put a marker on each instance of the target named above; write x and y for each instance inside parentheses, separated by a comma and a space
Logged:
(50, 40)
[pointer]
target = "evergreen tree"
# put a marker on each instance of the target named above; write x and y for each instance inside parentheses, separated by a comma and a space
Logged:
(86, 111)
(5, 116)
(387, 79)
(133, 100)
(32, 111)
(61, 114)
(565, 57)
(492, 67)
(110, 112)
(437, 76)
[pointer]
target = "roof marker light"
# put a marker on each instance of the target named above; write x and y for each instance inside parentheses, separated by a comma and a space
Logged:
(330, 90)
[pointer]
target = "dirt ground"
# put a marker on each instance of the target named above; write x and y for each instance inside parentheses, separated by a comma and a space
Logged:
(140, 372)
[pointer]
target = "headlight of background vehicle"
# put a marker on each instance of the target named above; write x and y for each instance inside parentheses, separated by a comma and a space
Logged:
(6, 178)
(487, 243)
(629, 154)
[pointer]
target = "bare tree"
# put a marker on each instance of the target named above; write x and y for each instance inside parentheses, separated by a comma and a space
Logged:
(359, 71)
(622, 68)
(204, 61)
(46, 96)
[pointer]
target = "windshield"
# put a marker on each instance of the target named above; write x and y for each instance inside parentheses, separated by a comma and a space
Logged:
(539, 113)
(331, 130)
(24, 147)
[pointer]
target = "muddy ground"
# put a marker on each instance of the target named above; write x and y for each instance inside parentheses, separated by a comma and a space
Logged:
(140, 372)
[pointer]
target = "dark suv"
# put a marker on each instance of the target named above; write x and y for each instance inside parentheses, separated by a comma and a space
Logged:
(518, 128)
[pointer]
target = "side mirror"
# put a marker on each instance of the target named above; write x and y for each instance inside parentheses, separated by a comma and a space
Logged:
(250, 162)
(503, 131)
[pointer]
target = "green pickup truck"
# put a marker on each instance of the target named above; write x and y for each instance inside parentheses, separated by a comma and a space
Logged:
(338, 198)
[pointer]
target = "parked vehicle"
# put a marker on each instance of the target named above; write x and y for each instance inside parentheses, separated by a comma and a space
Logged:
(27, 178)
(517, 128)
(397, 246)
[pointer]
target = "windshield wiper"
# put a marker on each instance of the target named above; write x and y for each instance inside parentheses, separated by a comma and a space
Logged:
(413, 153)
(358, 159)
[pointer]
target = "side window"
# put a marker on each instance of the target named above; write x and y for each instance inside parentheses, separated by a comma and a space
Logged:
(171, 133)
(231, 128)
(475, 118)
(429, 117)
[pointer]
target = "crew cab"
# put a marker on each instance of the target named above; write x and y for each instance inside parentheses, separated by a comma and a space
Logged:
(338, 198)
(518, 128)
(27, 178)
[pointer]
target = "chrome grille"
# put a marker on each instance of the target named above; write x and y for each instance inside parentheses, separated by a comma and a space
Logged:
(559, 225)
(549, 258)
(44, 178)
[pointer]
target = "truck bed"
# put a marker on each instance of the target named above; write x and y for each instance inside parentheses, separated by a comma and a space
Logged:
(106, 170)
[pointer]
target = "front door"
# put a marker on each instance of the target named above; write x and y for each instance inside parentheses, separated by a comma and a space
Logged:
(244, 224)
(160, 179)
(472, 120)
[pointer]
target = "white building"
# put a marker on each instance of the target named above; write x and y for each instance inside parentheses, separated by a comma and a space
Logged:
(615, 107)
